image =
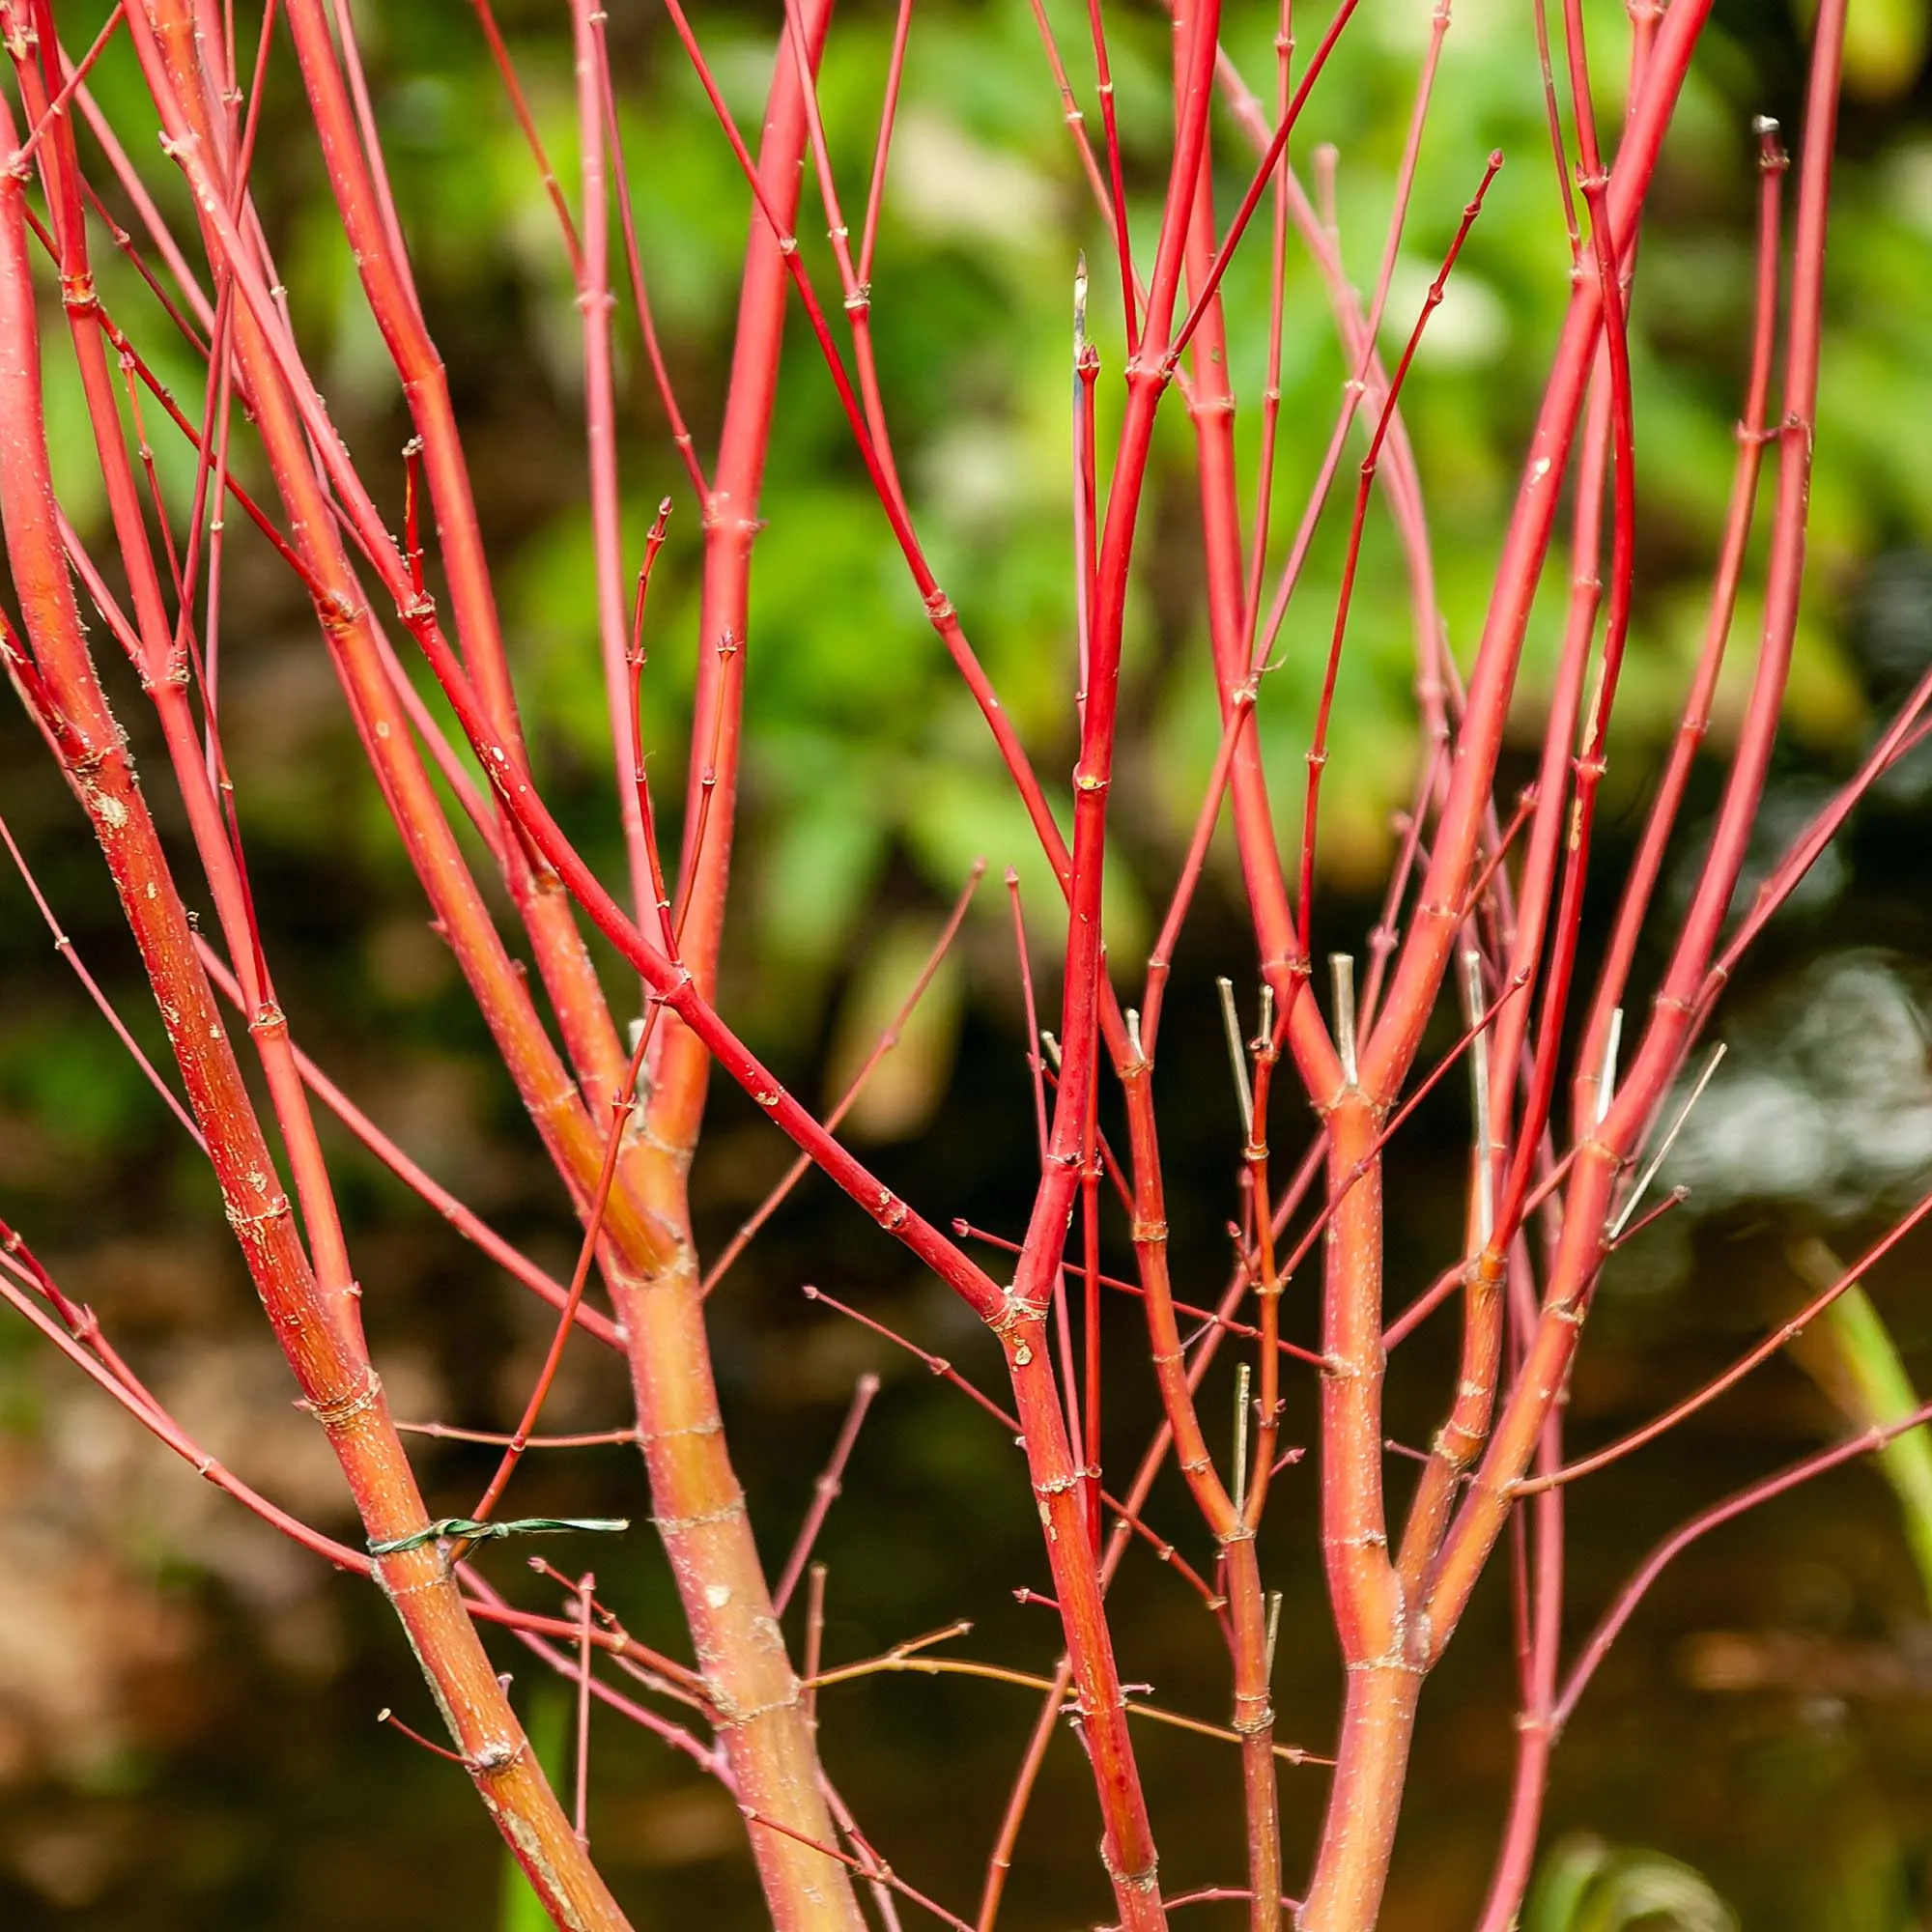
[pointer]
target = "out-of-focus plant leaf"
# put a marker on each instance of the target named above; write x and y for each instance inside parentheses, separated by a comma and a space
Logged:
(1850, 1354)
(1586, 1885)
(909, 1082)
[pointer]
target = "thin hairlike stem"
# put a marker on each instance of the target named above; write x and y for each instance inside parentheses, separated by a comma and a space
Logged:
(875, 196)
(639, 771)
(367, 212)
(1580, 1251)
(594, 305)
(1000, 1860)
(1100, 187)
(681, 437)
(1318, 751)
(1553, 116)
(664, 1675)
(939, 607)
(1907, 730)
(321, 1342)
(1867, 1442)
(1786, 1332)
(65, 947)
(1284, 45)
(497, 1438)
(1103, 80)
(865, 1867)
(152, 651)
(1241, 711)
(1614, 1230)
(90, 1352)
(531, 1632)
(1035, 1063)
(1401, 484)
(56, 107)
(621, 1105)
(293, 427)
(1425, 1304)
(520, 106)
(1590, 762)
(1270, 156)
(883, 1045)
(824, 1492)
(1216, 1894)
(1676, 1197)
(680, 1070)
(1425, 957)
(876, 1869)
(420, 1181)
(905, 1659)
(1126, 1513)
(1246, 1330)
(856, 288)
(937, 1365)
(386, 1716)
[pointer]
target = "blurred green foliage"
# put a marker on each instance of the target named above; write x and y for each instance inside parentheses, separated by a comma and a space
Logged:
(865, 750)
(1585, 1886)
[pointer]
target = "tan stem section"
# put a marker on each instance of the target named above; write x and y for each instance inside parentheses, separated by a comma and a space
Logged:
(702, 1518)
(1371, 1618)
(1254, 1721)
(1351, 1867)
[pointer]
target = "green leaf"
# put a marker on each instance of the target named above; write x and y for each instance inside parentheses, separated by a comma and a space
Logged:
(1586, 1885)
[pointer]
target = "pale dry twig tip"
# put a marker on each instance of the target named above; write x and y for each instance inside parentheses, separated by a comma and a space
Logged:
(1607, 1074)
(1669, 1140)
(1342, 971)
(1237, 1059)
(1474, 1011)
(1242, 1384)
